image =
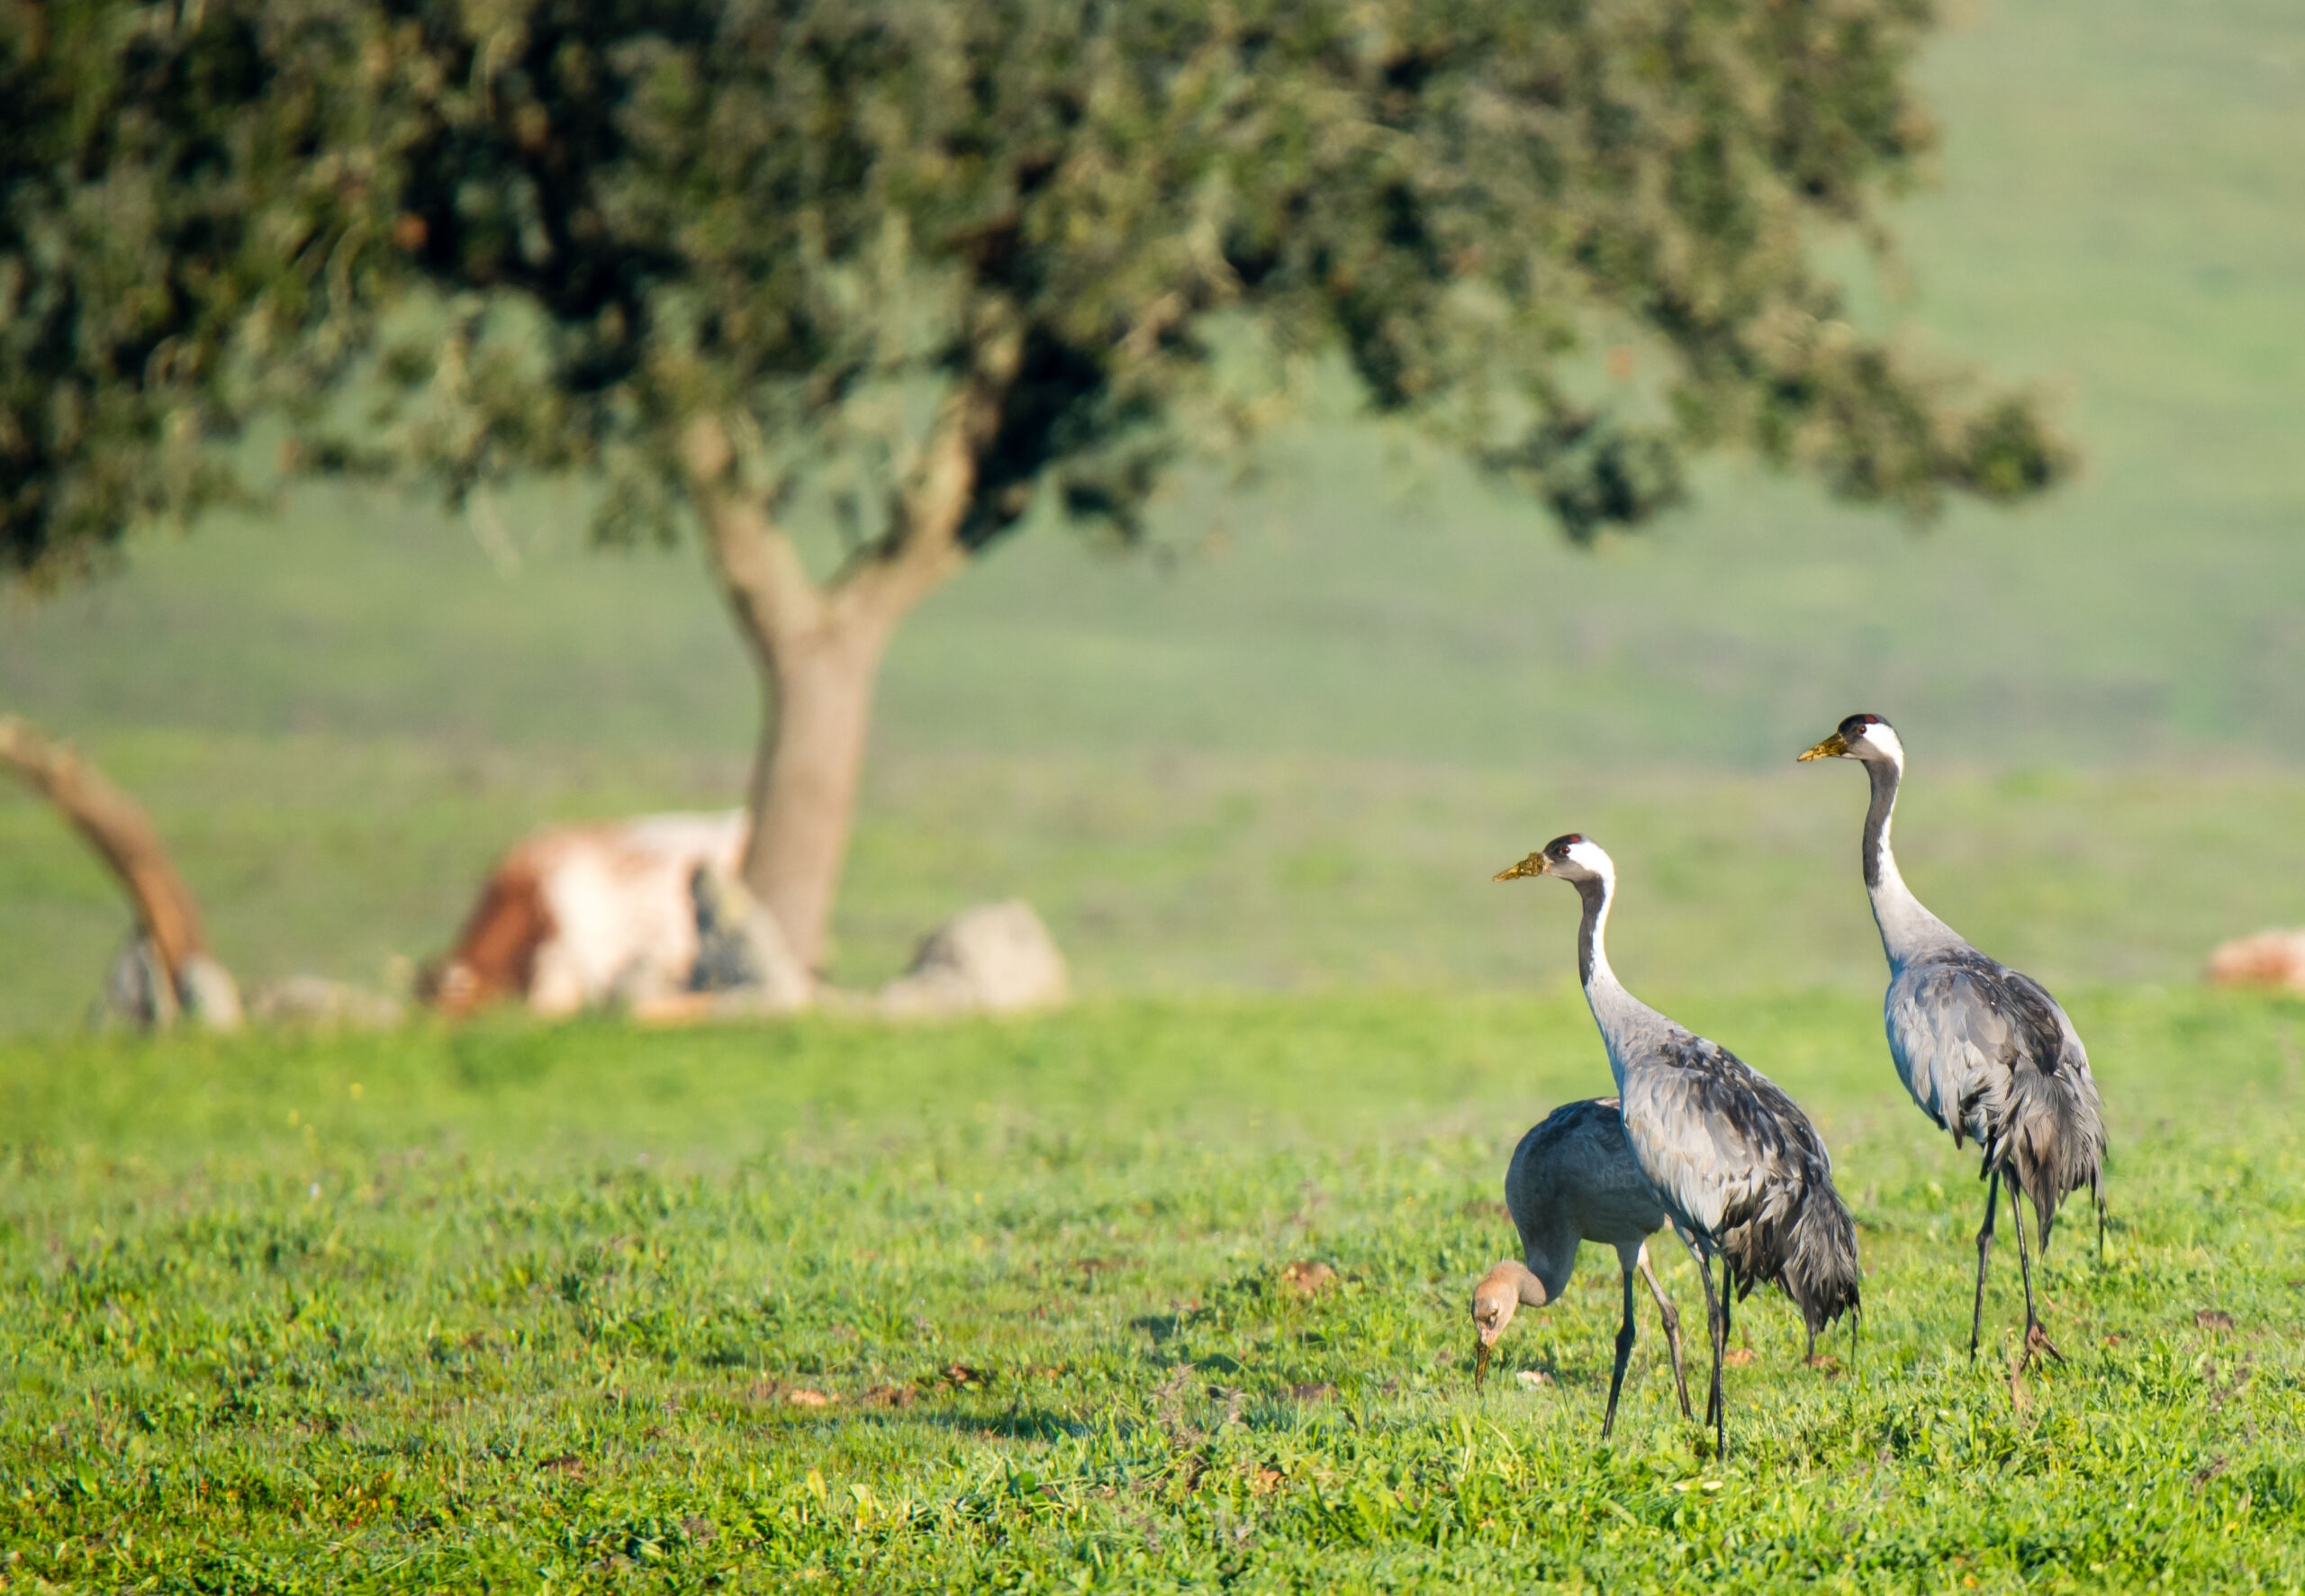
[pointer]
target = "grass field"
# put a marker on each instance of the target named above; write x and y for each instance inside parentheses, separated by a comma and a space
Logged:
(523, 1308)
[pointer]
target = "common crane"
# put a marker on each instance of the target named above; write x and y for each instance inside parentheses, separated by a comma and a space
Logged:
(1742, 1173)
(1986, 1051)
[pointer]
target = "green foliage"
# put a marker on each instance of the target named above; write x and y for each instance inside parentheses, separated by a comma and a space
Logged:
(185, 196)
(545, 233)
(426, 1311)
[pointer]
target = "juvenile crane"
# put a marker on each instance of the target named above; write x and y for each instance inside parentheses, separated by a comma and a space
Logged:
(1740, 1170)
(1986, 1051)
(1573, 1179)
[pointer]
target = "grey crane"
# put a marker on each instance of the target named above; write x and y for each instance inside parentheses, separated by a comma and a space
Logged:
(1572, 1179)
(1986, 1051)
(1742, 1173)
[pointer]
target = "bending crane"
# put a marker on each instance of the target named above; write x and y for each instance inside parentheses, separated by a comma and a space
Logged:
(1573, 1179)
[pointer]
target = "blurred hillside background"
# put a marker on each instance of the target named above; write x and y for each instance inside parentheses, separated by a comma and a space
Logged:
(1288, 748)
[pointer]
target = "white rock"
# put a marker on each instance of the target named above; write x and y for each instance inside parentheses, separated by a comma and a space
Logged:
(209, 994)
(996, 958)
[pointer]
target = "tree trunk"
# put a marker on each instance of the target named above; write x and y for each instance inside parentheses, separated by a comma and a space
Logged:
(118, 831)
(818, 648)
(817, 717)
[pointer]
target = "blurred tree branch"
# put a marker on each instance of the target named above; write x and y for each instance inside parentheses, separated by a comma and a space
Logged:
(117, 829)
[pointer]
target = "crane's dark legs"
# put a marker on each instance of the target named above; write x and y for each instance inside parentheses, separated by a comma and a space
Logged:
(1984, 1250)
(2097, 1189)
(1720, 1340)
(2037, 1338)
(1712, 1326)
(1625, 1333)
(1715, 1408)
(1672, 1319)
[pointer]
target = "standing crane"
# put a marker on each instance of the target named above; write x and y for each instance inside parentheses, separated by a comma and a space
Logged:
(1742, 1173)
(1573, 1179)
(1984, 1050)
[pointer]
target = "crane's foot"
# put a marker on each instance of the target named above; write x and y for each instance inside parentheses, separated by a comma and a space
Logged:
(2037, 1341)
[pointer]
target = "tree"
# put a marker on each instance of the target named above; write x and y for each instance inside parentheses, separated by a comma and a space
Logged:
(183, 976)
(913, 265)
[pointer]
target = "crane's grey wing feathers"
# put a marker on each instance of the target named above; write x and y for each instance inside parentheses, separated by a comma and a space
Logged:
(1961, 1027)
(1952, 1047)
(1987, 1053)
(1713, 1134)
(1734, 1157)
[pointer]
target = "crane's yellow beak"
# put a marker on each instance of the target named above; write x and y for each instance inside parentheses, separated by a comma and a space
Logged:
(1832, 747)
(1480, 1362)
(1536, 864)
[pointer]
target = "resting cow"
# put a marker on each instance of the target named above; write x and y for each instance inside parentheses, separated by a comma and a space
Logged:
(580, 917)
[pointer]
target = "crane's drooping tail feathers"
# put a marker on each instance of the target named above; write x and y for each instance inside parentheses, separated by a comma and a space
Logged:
(2053, 1142)
(1820, 1270)
(1808, 1247)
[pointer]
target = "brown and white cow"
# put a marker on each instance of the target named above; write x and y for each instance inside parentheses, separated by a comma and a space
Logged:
(581, 917)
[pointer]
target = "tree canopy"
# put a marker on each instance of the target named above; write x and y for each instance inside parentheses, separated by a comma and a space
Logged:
(923, 262)
(552, 232)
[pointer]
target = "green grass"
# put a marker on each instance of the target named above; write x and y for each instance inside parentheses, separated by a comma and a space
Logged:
(520, 1307)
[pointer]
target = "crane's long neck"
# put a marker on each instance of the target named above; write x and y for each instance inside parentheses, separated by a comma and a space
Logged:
(1907, 929)
(1614, 1010)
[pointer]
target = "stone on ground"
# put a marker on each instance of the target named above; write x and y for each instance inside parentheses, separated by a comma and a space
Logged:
(997, 958)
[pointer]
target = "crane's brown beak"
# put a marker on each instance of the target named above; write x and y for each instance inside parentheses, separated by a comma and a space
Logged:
(1480, 1362)
(1536, 864)
(1832, 747)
